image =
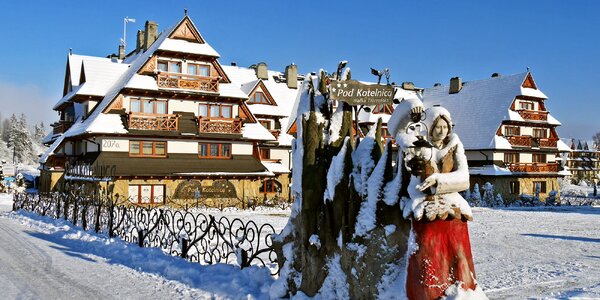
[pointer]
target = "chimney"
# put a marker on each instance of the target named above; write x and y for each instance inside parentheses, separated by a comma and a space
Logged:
(291, 76)
(261, 71)
(455, 85)
(437, 84)
(233, 64)
(495, 75)
(140, 40)
(151, 29)
(121, 52)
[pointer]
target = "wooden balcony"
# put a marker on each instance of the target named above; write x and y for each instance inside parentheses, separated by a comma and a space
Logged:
(533, 115)
(533, 167)
(163, 122)
(528, 141)
(188, 82)
(219, 125)
(61, 126)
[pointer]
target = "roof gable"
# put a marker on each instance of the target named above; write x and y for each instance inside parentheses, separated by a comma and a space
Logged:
(529, 82)
(265, 91)
(186, 30)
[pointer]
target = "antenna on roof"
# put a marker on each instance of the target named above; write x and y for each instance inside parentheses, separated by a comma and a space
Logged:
(185, 11)
(70, 51)
(124, 40)
(527, 69)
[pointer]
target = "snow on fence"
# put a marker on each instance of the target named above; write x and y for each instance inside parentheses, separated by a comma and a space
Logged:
(191, 235)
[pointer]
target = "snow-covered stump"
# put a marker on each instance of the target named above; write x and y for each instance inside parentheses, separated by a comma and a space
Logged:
(343, 240)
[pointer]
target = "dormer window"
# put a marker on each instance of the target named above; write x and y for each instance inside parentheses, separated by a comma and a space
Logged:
(258, 97)
(526, 105)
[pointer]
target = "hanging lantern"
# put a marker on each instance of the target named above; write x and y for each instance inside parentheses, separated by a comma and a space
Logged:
(419, 153)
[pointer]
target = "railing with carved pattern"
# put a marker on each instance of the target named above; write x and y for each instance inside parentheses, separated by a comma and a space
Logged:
(164, 122)
(528, 141)
(533, 167)
(219, 125)
(189, 82)
(535, 115)
(186, 233)
(61, 126)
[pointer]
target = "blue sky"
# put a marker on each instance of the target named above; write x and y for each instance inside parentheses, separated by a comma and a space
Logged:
(420, 41)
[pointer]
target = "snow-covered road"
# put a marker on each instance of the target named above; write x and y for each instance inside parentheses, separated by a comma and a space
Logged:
(520, 253)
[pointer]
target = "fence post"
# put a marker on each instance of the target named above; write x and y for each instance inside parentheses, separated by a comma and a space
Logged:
(141, 237)
(184, 247)
(97, 216)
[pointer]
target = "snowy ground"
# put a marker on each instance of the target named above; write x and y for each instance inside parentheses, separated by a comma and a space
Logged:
(519, 253)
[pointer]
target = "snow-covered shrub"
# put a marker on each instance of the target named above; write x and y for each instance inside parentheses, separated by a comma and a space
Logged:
(475, 199)
(583, 183)
(488, 195)
(498, 201)
(551, 199)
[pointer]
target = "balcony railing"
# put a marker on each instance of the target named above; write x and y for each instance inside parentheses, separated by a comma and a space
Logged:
(219, 125)
(534, 115)
(82, 170)
(61, 126)
(163, 122)
(533, 167)
(189, 82)
(528, 141)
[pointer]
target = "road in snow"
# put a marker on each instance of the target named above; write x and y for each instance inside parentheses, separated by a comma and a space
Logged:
(519, 253)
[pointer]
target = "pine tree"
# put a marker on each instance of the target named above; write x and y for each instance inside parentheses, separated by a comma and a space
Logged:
(499, 201)
(488, 195)
(12, 132)
(22, 141)
(5, 130)
(476, 196)
(39, 132)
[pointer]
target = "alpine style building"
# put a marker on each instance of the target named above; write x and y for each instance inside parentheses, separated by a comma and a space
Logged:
(582, 161)
(509, 135)
(168, 121)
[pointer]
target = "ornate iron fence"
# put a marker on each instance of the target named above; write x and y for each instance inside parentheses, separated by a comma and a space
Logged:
(194, 236)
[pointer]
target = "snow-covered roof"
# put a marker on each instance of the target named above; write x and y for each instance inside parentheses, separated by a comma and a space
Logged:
(276, 167)
(188, 47)
(256, 131)
(499, 142)
(75, 61)
(491, 170)
(562, 146)
(100, 76)
(479, 108)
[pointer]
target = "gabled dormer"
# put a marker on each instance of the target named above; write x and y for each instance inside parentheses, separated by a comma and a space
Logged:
(260, 95)
(184, 60)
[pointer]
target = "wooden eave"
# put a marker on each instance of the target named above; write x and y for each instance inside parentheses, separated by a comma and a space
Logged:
(528, 124)
(245, 112)
(84, 98)
(530, 98)
(180, 95)
(186, 30)
(528, 82)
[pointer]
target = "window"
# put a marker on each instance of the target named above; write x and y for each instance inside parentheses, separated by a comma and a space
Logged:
(198, 69)
(214, 150)
(265, 153)
(215, 110)
(512, 130)
(265, 123)
(539, 133)
(539, 158)
(511, 157)
(169, 67)
(147, 193)
(513, 187)
(148, 106)
(526, 105)
(270, 186)
(383, 109)
(258, 97)
(539, 185)
(147, 148)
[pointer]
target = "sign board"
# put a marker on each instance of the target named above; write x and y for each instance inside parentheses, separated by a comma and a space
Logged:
(356, 93)
(9, 170)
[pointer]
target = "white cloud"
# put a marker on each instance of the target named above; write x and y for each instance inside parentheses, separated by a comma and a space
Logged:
(29, 99)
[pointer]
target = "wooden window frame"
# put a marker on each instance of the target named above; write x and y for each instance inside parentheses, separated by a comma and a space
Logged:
(535, 158)
(525, 105)
(263, 98)
(219, 150)
(208, 107)
(513, 155)
(265, 153)
(198, 66)
(141, 147)
(536, 132)
(154, 107)
(267, 122)
(542, 186)
(511, 130)
(383, 109)
(274, 186)
(139, 195)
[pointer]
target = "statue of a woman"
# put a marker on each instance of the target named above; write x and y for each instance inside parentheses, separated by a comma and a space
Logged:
(440, 260)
